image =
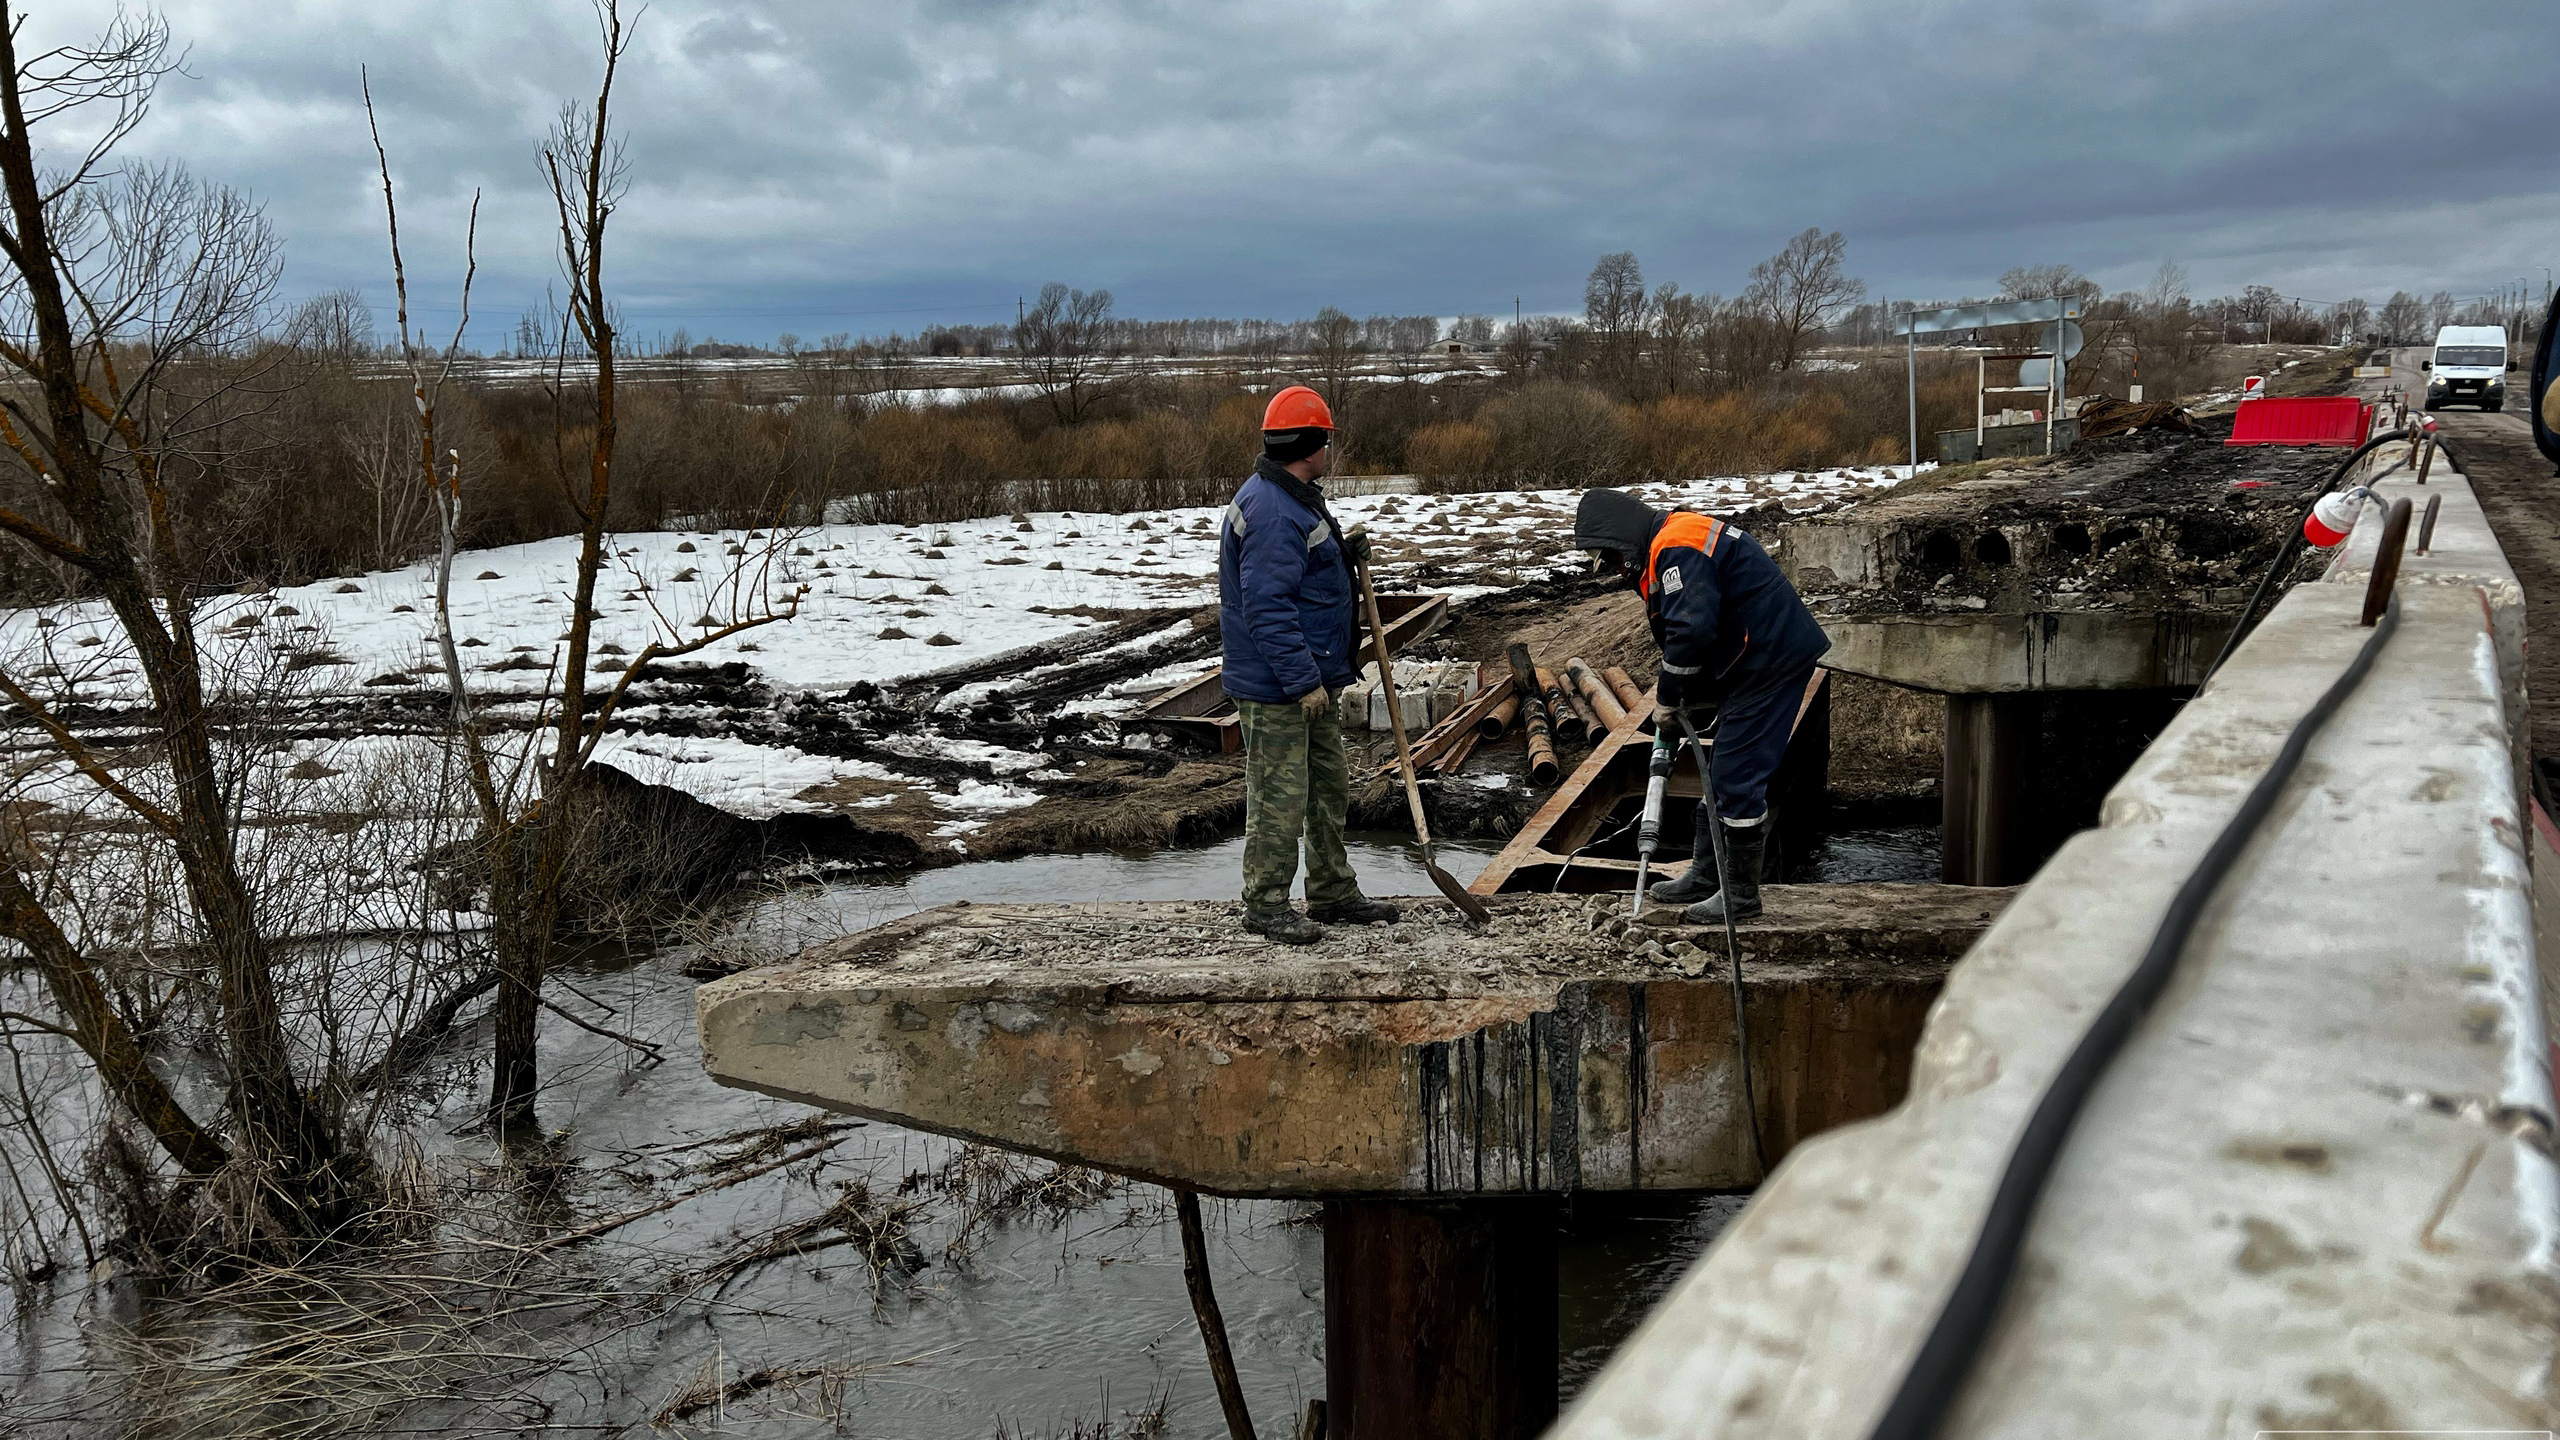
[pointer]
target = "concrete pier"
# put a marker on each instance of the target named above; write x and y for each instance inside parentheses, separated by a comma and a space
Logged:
(1993, 741)
(1440, 1318)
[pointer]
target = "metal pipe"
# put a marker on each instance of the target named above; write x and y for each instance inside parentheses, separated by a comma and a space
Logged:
(1979, 380)
(2426, 457)
(2386, 562)
(1595, 694)
(1911, 382)
(1624, 686)
(2427, 522)
(1570, 720)
(1543, 769)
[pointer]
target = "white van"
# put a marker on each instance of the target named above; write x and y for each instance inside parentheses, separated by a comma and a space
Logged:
(2469, 367)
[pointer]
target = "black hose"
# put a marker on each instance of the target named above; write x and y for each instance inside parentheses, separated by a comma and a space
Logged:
(1946, 1357)
(2248, 620)
(1732, 943)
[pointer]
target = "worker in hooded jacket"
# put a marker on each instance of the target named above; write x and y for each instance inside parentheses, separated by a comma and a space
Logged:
(1288, 628)
(1738, 649)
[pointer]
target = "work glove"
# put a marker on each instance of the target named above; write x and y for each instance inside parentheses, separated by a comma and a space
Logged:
(1355, 546)
(1315, 704)
(1666, 718)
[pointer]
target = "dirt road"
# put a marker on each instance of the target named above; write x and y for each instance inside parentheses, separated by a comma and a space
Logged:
(2522, 496)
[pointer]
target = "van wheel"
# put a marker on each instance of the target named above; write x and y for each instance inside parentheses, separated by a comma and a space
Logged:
(2431, 405)
(2494, 407)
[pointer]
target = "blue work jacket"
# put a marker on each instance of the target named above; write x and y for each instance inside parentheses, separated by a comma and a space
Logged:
(1286, 603)
(1720, 610)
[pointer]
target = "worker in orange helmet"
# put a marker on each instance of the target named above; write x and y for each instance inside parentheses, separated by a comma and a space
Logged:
(1286, 624)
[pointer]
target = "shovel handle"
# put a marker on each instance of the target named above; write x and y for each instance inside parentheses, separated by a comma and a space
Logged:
(1395, 712)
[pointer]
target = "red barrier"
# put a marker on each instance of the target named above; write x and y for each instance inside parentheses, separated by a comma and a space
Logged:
(2316, 420)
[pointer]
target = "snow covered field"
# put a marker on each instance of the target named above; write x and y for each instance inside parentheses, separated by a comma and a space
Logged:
(878, 603)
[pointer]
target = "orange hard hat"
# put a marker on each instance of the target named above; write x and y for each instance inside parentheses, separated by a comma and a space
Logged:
(1297, 408)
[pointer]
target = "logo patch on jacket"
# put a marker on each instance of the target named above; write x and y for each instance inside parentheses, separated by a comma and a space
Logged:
(1671, 581)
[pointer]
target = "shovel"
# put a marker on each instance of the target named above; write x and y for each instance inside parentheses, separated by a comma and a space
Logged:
(1472, 907)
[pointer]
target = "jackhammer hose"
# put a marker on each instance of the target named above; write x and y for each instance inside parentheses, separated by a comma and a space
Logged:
(1732, 943)
(1946, 1357)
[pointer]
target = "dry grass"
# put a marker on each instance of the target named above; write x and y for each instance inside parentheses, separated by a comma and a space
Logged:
(471, 1318)
(1149, 1423)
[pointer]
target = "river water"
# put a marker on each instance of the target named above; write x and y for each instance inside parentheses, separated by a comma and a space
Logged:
(1035, 1322)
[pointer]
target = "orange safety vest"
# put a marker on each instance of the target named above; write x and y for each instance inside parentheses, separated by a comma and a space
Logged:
(1680, 527)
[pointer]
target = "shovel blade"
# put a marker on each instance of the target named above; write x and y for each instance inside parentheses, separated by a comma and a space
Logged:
(1468, 902)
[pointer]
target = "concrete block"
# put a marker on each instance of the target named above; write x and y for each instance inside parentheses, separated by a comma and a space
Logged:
(1351, 707)
(1546, 1052)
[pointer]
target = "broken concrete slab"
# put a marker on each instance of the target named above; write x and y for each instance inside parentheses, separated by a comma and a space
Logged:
(1555, 1049)
(2116, 567)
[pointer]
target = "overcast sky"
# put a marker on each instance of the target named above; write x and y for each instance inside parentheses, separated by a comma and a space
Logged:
(813, 167)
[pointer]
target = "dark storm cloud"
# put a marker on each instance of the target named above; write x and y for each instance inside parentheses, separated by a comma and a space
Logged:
(815, 167)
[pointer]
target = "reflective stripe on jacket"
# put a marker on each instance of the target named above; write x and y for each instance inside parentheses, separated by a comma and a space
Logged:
(1285, 602)
(1720, 610)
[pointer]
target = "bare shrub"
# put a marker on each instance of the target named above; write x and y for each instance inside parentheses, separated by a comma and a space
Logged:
(1450, 454)
(1553, 433)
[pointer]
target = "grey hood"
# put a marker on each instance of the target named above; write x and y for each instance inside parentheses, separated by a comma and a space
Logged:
(1615, 520)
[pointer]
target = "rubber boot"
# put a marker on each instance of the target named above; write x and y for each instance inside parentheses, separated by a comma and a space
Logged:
(1285, 925)
(1744, 847)
(1699, 880)
(1358, 910)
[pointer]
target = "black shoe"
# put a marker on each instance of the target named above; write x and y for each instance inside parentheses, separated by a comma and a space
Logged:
(1358, 910)
(1693, 885)
(1284, 925)
(1744, 847)
(1699, 881)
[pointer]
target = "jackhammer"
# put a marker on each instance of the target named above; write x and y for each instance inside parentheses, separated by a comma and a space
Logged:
(1649, 836)
(1649, 829)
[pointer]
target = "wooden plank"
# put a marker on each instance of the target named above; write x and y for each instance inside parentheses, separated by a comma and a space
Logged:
(1532, 837)
(1530, 848)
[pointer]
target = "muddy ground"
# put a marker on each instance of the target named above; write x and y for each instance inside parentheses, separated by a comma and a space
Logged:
(1125, 787)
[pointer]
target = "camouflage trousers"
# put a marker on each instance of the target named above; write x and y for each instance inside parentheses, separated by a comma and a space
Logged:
(1297, 780)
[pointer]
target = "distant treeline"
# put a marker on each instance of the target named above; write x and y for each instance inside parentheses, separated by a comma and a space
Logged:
(309, 469)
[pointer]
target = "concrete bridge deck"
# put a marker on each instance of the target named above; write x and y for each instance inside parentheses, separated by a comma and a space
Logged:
(1554, 1050)
(2316, 1193)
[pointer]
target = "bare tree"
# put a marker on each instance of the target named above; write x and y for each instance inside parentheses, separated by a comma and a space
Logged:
(531, 803)
(116, 276)
(1799, 289)
(1335, 349)
(2439, 311)
(2402, 318)
(1062, 344)
(1616, 308)
(2168, 286)
(2046, 282)
(1680, 323)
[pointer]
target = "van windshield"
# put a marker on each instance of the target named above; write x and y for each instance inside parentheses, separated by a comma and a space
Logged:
(2491, 355)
